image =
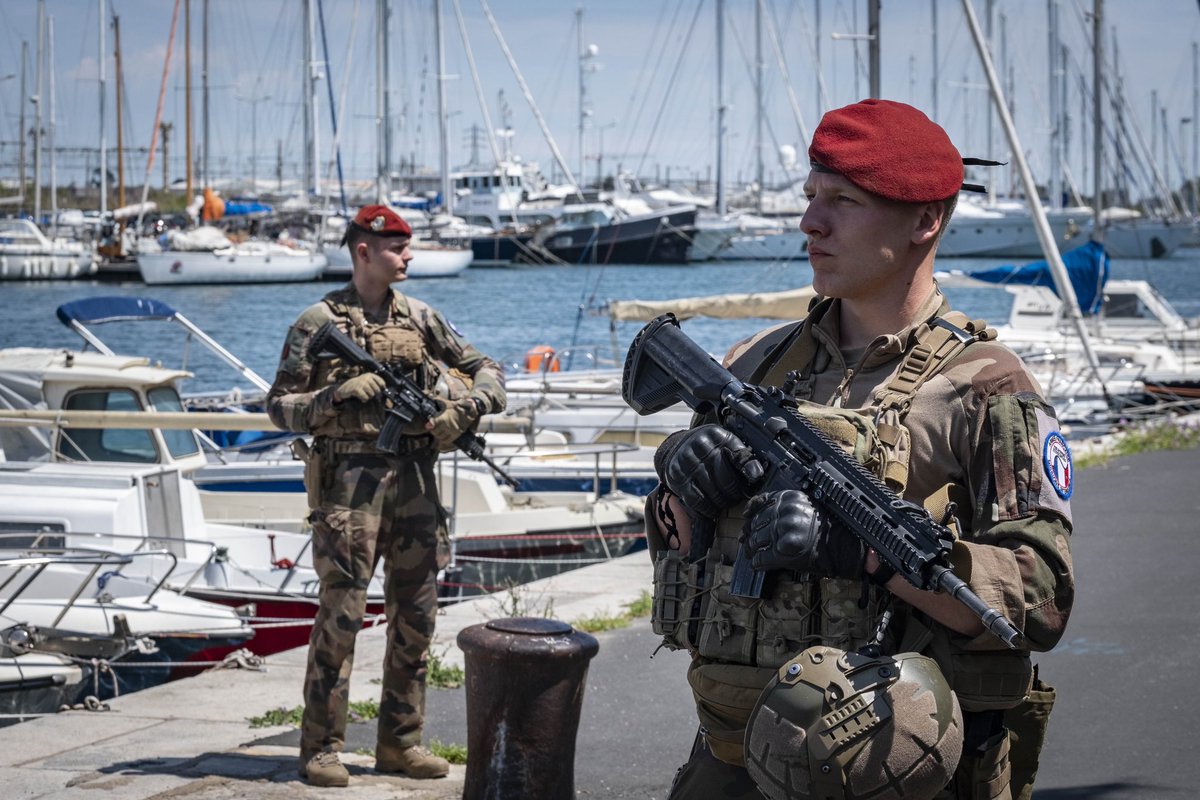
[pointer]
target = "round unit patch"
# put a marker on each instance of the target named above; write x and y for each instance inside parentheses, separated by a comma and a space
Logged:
(1056, 459)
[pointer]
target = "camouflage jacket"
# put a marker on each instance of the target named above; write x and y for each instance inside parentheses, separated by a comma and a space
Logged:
(294, 403)
(982, 425)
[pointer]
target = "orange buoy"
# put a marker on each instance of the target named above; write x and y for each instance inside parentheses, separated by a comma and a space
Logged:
(541, 358)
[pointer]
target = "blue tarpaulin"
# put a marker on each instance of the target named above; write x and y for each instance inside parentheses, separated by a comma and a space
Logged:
(1087, 266)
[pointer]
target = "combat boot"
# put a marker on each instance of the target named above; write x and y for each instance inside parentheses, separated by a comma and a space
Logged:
(324, 769)
(415, 762)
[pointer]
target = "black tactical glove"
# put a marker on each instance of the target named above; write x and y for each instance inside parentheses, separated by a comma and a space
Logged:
(784, 531)
(708, 467)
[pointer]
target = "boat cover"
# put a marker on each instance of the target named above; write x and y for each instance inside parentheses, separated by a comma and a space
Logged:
(1087, 266)
(113, 309)
(790, 304)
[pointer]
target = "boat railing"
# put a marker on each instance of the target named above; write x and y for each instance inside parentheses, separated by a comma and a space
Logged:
(42, 547)
(507, 454)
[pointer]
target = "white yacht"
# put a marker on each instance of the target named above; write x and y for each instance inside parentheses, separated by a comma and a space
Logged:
(27, 254)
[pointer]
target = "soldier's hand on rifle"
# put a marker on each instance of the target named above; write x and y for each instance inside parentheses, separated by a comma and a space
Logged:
(784, 531)
(450, 424)
(361, 387)
(708, 467)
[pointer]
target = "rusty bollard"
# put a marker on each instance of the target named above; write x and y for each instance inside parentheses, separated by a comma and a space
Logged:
(525, 679)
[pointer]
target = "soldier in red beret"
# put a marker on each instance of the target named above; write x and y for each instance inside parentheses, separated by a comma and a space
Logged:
(953, 422)
(368, 506)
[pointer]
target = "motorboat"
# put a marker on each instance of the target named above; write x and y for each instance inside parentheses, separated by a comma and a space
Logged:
(62, 599)
(82, 459)
(208, 256)
(35, 684)
(27, 254)
(605, 233)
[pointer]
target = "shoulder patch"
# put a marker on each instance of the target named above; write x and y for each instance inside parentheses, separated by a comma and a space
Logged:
(1056, 460)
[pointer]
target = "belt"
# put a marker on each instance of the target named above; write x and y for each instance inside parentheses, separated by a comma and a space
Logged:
(408, 445)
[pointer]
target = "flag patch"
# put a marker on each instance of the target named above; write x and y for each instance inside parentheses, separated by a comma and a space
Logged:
(1056, 459)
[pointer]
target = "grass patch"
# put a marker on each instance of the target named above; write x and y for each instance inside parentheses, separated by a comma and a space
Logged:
(454, 753)
(363, 710)
(1141, 439)
(596, 623)
(278, 716)
(440, 675)
(359, 711)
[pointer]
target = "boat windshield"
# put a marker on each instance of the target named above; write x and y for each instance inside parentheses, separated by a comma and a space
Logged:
(180, 443)
(105, 444)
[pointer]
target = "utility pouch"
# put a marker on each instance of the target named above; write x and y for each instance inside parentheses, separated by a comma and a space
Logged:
(1027, 725)
(314, 470)
(725, 695)
(675, 592)
(984, 771)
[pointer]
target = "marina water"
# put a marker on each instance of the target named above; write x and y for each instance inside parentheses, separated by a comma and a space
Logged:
(504, 311)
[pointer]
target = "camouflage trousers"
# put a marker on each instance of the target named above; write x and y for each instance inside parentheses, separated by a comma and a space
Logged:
(372, 509)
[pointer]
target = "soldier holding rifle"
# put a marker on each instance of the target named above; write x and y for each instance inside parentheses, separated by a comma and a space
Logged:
(368, 505)
(954, 425)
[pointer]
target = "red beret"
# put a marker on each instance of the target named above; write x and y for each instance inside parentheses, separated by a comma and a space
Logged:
(889, 149)
(381, 221)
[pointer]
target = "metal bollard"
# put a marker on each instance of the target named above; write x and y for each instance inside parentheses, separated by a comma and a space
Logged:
(525, 679)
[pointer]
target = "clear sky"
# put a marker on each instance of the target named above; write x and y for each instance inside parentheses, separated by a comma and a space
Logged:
(652, 92)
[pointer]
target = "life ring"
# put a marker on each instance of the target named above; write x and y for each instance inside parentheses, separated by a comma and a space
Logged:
(541, 358)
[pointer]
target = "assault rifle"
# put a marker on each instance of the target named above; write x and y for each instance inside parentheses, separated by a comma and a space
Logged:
(406, 400)
(664, 367)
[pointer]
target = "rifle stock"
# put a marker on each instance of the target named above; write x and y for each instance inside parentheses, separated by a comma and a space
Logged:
(407, 401)
(664, 366)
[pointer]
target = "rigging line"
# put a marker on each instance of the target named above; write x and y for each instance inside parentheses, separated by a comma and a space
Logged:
(749, 66)
(662, 52)
(487, 11)
(483, 106)
(670, 83)
(773, 30)
(333, 116)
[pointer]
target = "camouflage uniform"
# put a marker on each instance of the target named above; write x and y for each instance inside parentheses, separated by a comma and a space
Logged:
(976, 431)
(368, 506)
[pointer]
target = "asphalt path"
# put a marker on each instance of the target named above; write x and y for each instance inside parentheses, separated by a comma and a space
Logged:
(1124, 725)
(1127, 672)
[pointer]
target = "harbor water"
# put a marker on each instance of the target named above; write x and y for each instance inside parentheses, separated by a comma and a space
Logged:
(504, 311)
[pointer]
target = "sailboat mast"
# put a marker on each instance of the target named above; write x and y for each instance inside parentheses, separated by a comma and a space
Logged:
(120, 136)
(1055, 183)
(721, 207)
(758, 104)
(37, 119)
(381, 117)
(582, 88)
(873, 47)
(1097, 121)
(53, 157)
(187, 91)
(443, 119)
(205, 175)
(103, 134)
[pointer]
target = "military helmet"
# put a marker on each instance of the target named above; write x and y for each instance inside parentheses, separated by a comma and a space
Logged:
(837, 724)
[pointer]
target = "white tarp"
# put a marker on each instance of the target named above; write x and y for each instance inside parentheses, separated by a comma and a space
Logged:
(790, 304)
(202, 238)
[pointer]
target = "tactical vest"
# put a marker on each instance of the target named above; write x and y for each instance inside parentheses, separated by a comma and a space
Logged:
(397, 343)
(741, 641)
